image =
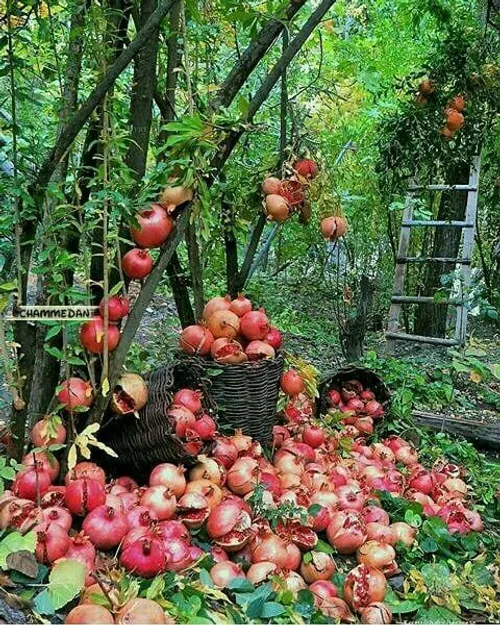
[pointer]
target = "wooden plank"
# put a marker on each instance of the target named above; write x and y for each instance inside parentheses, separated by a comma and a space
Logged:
(417, 299)
(442, 187)
(437, 223)
(433, 259)
(402, 336)
(400, 272)
(488, 434)
(468, 244)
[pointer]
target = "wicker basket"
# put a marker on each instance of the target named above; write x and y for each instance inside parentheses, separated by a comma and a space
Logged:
(245, 396)
(144, 442)
(367, 377)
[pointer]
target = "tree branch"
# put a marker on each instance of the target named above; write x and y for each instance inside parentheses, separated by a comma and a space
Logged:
(84, 112)
(253, 54)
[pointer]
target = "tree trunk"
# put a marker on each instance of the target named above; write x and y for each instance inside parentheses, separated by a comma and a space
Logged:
(431, 320)
(231, 246)
(179, 278)
(353, 330)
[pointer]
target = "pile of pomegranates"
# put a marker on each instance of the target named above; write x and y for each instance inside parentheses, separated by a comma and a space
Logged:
(190, 422)
(262, 515)
(231, 332)
(359, 404)
(454, 117)
(283, 197)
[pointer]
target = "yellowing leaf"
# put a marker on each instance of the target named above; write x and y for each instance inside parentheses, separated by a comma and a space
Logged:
(105, 386)
(90, 429)
(475, 377)
(65, 581)
(105, 448)
(72, 457)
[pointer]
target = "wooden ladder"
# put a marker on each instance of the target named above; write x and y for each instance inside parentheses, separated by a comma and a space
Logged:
(468, 230)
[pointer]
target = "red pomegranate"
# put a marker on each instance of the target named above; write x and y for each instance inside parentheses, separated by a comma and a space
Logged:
(274, 338)
(118, 307)
(154, 228)
(215, 304)
(48, 431)
(83, 495)
(196, 339)
(277, 208)
(75, 394)
(241, 305)
(92, 336)
(259, 350)
(105, 527)
(292, 383)
(52, 542)
(364, 585)
(306, 168)
(137, 264)
(333, 227)
(254, 325)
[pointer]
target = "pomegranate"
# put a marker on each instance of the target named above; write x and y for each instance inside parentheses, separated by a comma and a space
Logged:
(139, 611)
(181, 418)
(364, 585)
(271, 483)
(205, 427)
(195, 553)
(403, 532)
(48, 431)
(242, 477)
(140, 516)
(88, 614)
(294, 557)
(306, 168)
(291, 581)
(376, 613)
(196, 339)
(193, 510)
(454, 119)
(280, 435)
(42, 461)
(154, 227)
(259, 350)
(137, 264)
(218, 554)
(323, 589)
(209, 490)
(229, 526)
(223, 573)
(427, 87)
(292, 383)
(75, 394)
(56, 514)
(81, 549)
(337, 609)
(374, 409)
(178, 554)
(288, 462)
(422, 481)
(117, 305)
(277, 208)
(144, 556)
(52, 542)
(457, 103)
(313, 436)
(225, 451)
(215, 304)
(274, 338)
(271, 186)
(334, 397)
(92, 336)
(241, 305)
(130, 394)
(270, 548)
(379, 555)
(171, 197)
(173, 529)
(407, 456)
(333, 227)
(346, 531)
(374, 514)
(161, 500)
(317, 565)
(380, 532)
(261, 572)
(83, 495)
(208, 469)
(86, 469)
(169, 475)
(224, 323)
(254, 325)
(188, 398)
(31, 483)
(105, 527)
(350, 497)
(54, 496)
(228, 352)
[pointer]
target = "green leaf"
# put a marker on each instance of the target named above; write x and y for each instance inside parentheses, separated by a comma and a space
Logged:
(324, 547)
(54, 331)
(314, 510)
(272, 609)
(16, 542)
(437, 614)
(66, 580)
(205, 578)
(429, 545)
(241, 585)
(156, 588)
(254, 609)
(116, 289)
(43, 603)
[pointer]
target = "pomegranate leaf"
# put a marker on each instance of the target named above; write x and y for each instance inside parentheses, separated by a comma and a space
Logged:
(66, 580)
(15, 542)
(272, 609)
(24, 562)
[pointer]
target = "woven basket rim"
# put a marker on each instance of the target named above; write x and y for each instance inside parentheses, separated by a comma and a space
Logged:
(182, 358)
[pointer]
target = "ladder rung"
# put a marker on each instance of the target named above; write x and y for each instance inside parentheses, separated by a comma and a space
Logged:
(417, 299)
(401, 336)
(432, 259)
(429, 222)
(442, 187)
